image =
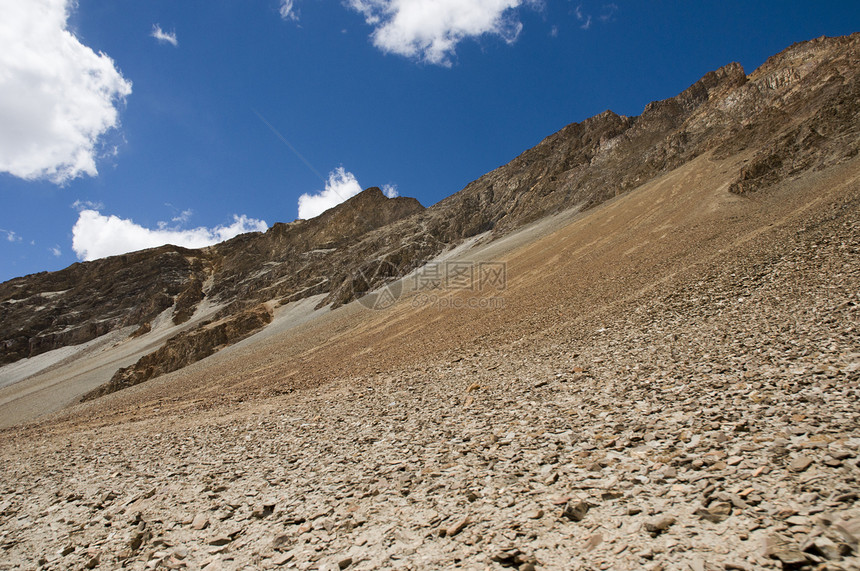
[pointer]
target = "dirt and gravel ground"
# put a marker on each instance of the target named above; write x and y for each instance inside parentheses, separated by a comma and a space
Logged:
(671, 383)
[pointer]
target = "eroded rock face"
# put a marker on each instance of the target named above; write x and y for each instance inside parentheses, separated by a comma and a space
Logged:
(187, 348)
(798, 112)
(45, 311)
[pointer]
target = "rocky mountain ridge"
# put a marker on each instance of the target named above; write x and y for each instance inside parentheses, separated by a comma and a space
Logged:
(797, 112)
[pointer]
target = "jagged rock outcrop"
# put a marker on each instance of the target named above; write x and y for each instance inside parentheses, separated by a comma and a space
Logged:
(49, 310)
(187, 348)
(45, 311)
(798, 111)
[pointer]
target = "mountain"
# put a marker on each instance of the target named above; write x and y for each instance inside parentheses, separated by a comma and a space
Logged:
(798, 112)
(634, 346)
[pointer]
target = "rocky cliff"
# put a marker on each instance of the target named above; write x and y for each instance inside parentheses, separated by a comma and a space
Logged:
(798, 112)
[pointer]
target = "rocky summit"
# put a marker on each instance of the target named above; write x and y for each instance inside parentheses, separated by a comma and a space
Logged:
(648, 358)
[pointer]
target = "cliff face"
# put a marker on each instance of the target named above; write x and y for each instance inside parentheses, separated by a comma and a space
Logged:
(46, 311)
(798, 112)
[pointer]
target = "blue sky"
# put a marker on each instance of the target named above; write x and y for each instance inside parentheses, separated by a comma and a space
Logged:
(128, 122)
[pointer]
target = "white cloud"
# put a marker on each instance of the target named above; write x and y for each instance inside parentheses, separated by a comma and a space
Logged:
(55, 251)
(429, 30)
(609, 11)
(183, 216)
(57, 96)
(164, 37)
(584, 18)
(288, 10)
(11, 235)
(97, 236)
(87, 205)
(341, 185)
(390, 190)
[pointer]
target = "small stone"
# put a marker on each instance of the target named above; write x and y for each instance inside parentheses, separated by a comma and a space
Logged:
(280, 542)
(575, 511)
(800, 463)
(457, 527)
(220, 540)
(344, 563)
(534, 514)
(796, 520)
(263, 511)
(716, 512)
(658, 525)
(593, 541)
(200, 521)
(790, 556)
(827, 548)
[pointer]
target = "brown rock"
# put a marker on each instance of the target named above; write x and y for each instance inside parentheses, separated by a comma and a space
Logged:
(659, 525)
(575, 511)
(201, 521)
(800, 463)
(457, 527)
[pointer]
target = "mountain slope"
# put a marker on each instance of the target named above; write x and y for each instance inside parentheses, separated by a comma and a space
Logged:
(680, 359)
(798, 112)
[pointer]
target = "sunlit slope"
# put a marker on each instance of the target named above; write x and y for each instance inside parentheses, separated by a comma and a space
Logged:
(567, 276)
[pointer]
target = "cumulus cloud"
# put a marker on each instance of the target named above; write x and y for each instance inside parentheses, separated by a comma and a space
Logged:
(164, 37)
(97, 236)
(288, 10)
(57, 96)
(341, 186)
(429, 30)
(390, 190)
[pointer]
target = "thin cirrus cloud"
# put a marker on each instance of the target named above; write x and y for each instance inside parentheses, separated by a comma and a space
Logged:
(57, 96)
(288, 10)
(430, 30)
(340, 186)
(164, 37)
(607, 14)
(95, 235)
